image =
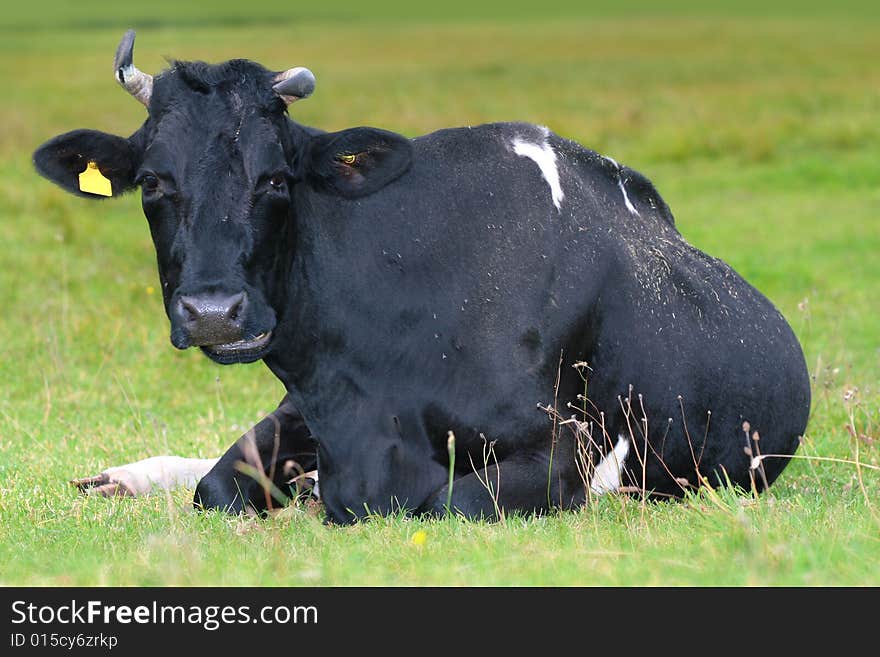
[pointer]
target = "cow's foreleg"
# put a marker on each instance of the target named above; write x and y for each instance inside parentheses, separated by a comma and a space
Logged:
(146, 476)
(275, 459)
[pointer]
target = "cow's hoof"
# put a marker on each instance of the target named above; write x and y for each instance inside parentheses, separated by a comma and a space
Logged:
(104, 485)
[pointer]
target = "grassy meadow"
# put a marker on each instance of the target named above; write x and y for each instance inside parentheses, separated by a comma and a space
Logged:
(761, 131)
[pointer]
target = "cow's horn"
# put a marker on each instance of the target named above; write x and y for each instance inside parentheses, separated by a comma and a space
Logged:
(136, 82)
(294, 84)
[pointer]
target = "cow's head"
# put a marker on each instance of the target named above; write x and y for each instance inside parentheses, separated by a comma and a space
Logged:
(217, 161)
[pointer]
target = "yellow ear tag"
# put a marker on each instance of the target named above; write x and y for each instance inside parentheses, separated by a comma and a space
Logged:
(93, 181)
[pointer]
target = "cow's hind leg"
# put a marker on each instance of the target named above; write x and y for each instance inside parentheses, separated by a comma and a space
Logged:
(522, 484)
(273, 461)
(528, 484)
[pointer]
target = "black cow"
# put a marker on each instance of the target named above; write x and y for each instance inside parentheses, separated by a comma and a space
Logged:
(498, 284)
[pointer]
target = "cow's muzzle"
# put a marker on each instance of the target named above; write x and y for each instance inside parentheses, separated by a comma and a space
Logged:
(216, 323)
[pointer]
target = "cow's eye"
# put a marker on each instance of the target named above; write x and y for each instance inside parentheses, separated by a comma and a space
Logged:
(349, 159)
(277, 181)
(149, 183)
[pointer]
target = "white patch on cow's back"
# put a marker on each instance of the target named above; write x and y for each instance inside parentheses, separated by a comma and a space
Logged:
(622, 187)
(544, 156)
(606, 476)
(160, 472)
(629, 205)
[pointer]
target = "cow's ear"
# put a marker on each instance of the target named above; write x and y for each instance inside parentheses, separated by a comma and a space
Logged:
(357, 161)
(88, 163)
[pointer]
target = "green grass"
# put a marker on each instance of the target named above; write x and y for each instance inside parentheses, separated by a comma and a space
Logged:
(761, 131)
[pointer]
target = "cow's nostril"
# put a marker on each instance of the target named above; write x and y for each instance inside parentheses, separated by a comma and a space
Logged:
(236, 306)
(189, 310)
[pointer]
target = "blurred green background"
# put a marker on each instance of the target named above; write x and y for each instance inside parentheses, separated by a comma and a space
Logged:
(758, 123)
